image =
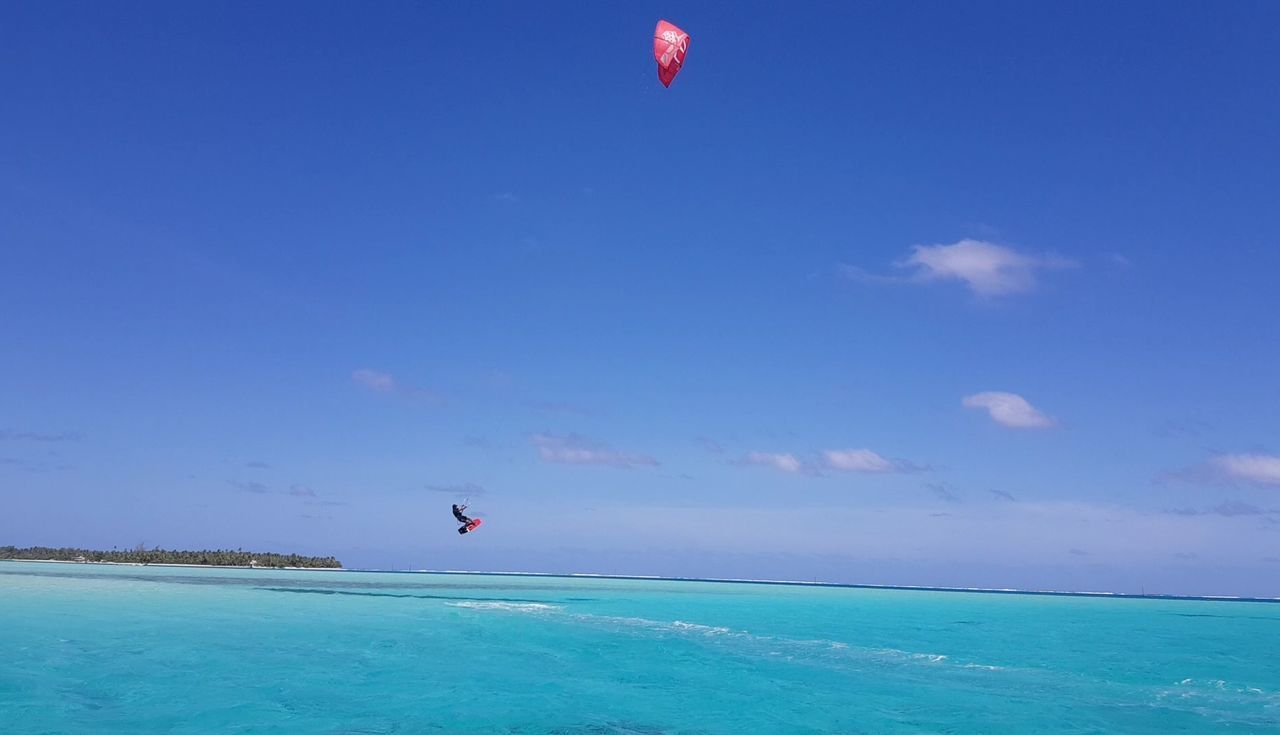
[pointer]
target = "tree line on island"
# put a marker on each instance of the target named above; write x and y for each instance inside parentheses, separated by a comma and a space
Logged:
(142, 555)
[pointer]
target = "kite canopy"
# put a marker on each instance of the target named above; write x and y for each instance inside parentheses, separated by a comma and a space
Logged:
(670, 44)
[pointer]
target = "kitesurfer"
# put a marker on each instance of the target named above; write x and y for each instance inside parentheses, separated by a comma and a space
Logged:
(457, 513)
(468, 524)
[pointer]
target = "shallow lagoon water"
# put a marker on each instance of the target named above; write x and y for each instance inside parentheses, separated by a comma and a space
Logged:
(120, 649)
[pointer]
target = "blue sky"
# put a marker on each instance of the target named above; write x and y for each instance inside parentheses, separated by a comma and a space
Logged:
(924, 293)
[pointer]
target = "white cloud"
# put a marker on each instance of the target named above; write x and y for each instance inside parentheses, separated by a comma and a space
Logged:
(784, 462)
(846, 460)
(574, 449)
(1263, 469)
(858, 460)
(380, 382)
(374, 380)
(1009, 409)
(986, 268)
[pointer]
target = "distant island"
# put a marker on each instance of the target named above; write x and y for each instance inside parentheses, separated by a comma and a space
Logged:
(141, 555)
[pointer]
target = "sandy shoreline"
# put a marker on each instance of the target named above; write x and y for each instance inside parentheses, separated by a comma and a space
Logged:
(170, 564)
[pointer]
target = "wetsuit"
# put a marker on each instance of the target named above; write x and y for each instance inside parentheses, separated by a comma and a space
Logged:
(457, 513)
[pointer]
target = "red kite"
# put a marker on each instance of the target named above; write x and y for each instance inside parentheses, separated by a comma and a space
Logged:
(670, 44)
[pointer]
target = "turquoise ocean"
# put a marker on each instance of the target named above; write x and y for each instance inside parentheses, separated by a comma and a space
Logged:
(141, 650)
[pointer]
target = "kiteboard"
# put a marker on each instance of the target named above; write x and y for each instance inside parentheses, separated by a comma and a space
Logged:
(473, 525)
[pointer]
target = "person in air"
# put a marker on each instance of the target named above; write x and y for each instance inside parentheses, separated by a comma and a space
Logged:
(468, 524)
(457, 513)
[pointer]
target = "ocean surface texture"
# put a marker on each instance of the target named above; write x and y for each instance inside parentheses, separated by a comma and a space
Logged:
(141, 650)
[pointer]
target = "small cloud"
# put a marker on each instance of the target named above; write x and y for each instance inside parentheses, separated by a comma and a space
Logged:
(844, 460)
(1077, 552)
(865, 460)
(38, 436)
(856, 460)
(943, 492)
(1230, 469)
(256, 488)
(1186, 555)
(374, 380)
(301, 491)
(986, 268)
(1009, 409)
(506, 197)
(464, 490)
(1261, 469)
(784, 462)
(939, 515)
(1002, 495)
(380, 382)
(1119, 260)
(574, 449)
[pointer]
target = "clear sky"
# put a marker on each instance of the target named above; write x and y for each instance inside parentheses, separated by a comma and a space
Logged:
(917, 293)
